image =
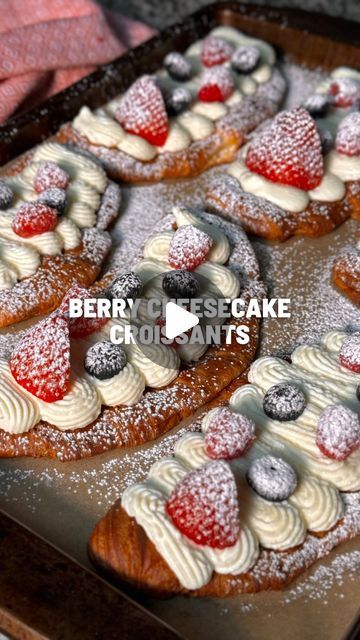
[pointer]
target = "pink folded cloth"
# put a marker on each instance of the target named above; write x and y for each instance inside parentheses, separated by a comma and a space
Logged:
(46, 45)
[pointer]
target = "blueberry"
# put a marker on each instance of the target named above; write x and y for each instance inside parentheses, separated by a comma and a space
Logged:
(6, 195)
(272, 478)
(284, 401)
(317, 105)
(180, 284)
(126, 286)
(177, 101)
(177, 66)
(55, 198)
(327, 140)
(103, 360)
(245, 59)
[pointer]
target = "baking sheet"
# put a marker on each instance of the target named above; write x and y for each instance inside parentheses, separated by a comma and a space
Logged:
(62, 502)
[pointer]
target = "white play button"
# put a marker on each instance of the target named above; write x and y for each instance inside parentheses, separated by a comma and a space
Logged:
(178, 320)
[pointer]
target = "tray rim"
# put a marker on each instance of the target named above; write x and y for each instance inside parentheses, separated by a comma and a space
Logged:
(23, 131)
(290, 18)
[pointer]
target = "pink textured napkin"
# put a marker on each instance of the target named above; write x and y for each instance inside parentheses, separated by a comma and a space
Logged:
(45, 45)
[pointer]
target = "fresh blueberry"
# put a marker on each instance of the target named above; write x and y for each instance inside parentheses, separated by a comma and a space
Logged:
(55, 198)
(104, 360)
(177, 66)
(284, 401)
(126, 286)
(317, 105)
(327, 140)
(6, 195)
(245, 59)
(180, 284)
(272, 478)
(177, 101)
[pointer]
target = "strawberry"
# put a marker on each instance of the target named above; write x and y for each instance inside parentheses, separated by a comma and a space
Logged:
(40, 362)
(215, 51)
(34, 218)
(349, 355)
(348, 135)
(288, 151)
(204, 506)
(345, 92)
(217, 85)
(81, 326)
(50, 175)
(338, 432)
(229, 435)
(188, 247)
(142, 111)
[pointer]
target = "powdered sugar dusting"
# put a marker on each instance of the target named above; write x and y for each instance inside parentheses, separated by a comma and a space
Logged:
(43, 493)
(348, 135)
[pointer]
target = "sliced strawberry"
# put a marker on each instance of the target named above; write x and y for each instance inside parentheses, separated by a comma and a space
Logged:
(217, 85)
(40, 362)
(348, 135)
(215, 50)
(79, 327)
(188, 247)
(229, 435)
(345, 92)
(50, 175)
(338, 432)
(288, 151)
(34, 218)
(349, 355)
(204, 506)
(142, 111)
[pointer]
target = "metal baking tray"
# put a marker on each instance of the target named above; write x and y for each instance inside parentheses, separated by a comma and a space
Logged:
(62, 502)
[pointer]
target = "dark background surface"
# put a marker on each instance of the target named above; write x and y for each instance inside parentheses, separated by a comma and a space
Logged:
(161, 13)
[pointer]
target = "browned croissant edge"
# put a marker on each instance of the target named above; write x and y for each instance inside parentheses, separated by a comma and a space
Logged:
(218, 148)
(346, 276)
(158, 411)
(120, 548)
(259, 217)
(43, 291)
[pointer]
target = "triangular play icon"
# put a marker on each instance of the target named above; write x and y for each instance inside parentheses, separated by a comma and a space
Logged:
(178, 320)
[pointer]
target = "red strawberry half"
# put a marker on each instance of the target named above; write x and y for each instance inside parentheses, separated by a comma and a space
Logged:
(33, 219)
(142, 111)
(215, 50)
(50, 175)
(349, 355)
(81, 326)
(288, 151)
(348, 135)
(345, 92)
(40, 362)
(217, 85)
(338, 432)
(229, 435)
(204, 506)
(188, 247)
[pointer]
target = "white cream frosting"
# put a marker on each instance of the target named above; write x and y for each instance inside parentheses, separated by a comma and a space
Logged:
(344, 167)
(330, 189)
(78, 166)
(8, 275)
(20, 257)
(155, 365)
(101, 127)
(126, 387)
(315, 505)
